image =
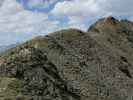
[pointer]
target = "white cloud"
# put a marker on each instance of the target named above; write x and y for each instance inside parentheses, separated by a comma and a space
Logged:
(77, 11)
(76, 8)
(14, 18)
(93, 7)
(85, 9)
(76, 22)
(17, 22)
(118, 7)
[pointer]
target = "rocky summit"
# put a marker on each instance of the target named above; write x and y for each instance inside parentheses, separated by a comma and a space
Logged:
(72, 65)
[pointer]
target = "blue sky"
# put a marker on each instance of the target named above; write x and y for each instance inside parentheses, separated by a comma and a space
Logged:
(38, 5)
(21, 20)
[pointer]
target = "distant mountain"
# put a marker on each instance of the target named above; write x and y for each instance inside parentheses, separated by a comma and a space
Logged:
(72, 65)
(4, 48)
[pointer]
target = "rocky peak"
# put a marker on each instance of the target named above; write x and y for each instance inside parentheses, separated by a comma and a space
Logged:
(107, 22)
(110, 20)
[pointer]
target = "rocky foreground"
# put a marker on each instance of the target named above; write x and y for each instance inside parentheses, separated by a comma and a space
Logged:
(72, 65)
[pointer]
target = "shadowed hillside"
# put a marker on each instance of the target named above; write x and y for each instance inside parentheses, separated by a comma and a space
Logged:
(72, 65)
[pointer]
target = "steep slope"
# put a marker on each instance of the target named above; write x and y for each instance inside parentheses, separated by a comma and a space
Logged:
(115, 35)
(71, 65)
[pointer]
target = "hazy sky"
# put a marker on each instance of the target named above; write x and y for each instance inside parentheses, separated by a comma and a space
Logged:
(24, 19)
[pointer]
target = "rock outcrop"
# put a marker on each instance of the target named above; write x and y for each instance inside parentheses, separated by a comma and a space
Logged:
(72, 65)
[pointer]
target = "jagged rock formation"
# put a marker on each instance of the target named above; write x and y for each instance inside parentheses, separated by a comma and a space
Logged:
(72, 65)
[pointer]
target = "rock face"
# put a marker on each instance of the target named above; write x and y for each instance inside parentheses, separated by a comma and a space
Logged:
(72, 65)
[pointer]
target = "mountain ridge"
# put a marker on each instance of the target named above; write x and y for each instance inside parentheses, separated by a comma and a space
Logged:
(71, 65)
